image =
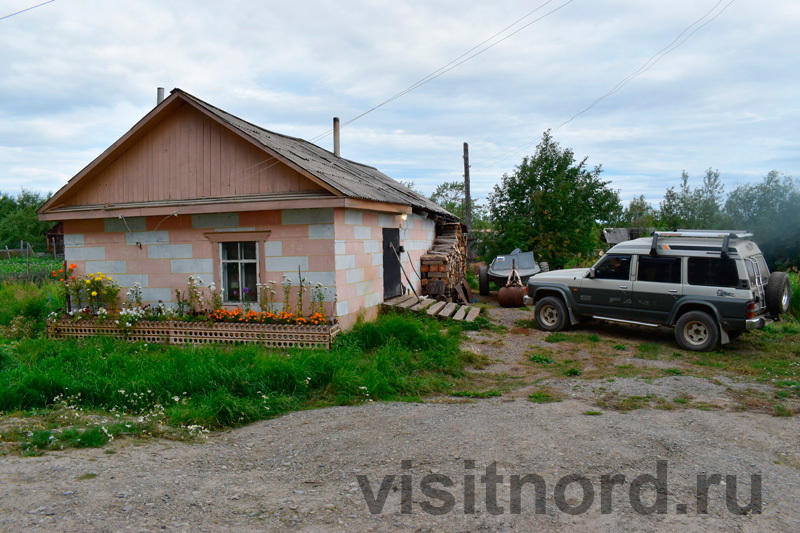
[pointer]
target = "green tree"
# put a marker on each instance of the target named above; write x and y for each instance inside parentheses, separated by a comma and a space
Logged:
(19, 221)
(450, 196)
(639, 214)
(551, 205)
(698, 208)
(771, 210)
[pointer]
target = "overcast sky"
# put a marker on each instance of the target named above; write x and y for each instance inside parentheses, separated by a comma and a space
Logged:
(77, 74)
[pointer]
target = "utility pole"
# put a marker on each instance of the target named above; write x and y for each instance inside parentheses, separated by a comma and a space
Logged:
(468, 207)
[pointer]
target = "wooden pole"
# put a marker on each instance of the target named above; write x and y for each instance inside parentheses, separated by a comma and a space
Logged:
(468, 206)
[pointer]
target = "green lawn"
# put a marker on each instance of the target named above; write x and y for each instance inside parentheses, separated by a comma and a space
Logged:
(146, 388)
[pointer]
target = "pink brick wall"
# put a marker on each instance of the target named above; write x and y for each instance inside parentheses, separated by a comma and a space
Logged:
(170, 249)
(359, 258)
(339, 249)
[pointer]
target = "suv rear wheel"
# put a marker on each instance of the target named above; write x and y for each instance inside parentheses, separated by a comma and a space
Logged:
(697, 331)
(550, 314)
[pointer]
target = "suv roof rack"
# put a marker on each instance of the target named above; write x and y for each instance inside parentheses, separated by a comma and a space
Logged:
(725, 235)
(707, 233)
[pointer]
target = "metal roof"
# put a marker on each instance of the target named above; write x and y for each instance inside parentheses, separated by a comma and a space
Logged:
(352, 179)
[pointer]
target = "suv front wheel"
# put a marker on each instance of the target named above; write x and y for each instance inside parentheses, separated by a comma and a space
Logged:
(550, 314)
(697, 331)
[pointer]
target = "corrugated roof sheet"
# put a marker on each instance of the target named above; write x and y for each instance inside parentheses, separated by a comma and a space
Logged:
(352, 179)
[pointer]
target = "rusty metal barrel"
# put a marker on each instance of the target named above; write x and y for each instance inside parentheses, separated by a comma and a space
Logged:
(511, 296)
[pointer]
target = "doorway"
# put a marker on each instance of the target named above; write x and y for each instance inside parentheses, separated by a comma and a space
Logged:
(392, 284)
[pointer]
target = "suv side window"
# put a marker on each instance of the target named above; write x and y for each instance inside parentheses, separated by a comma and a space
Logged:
(614, 267)
(713, 271)
(659, 269)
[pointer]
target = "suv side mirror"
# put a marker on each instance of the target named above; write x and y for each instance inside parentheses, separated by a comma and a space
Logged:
(592, 273)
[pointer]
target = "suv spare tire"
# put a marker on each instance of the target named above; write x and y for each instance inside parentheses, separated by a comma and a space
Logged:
(778, 293)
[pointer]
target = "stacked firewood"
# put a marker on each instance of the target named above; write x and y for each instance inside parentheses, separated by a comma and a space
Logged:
(444, 266)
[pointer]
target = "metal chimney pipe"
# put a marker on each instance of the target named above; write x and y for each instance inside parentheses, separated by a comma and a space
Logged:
(336, 136)
(159, 95)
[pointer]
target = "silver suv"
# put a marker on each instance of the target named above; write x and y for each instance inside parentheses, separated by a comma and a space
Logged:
(709, 285)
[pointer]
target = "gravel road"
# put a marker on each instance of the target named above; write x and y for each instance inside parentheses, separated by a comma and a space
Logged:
(300, 472)
(317, 470)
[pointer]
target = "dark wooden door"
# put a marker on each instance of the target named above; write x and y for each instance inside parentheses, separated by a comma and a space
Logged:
(392, 284)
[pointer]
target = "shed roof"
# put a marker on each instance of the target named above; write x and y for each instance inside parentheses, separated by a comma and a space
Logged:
(349, 178)
(352, 179)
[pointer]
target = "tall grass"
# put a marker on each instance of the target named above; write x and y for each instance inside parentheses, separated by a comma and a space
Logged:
(28, 300)
(393, 358)
(794, 303)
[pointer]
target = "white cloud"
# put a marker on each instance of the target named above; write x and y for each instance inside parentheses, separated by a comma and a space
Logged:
(77, 75)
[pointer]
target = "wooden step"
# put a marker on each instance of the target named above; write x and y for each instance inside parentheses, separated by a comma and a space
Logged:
(461, 313)
(391, 302)
(423, 304)
(408, 303)
(400, 300)
(435, 308)
(473, 314)
(448, 310)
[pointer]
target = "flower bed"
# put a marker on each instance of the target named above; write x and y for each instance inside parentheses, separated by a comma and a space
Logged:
(196, 317)
(198, 333)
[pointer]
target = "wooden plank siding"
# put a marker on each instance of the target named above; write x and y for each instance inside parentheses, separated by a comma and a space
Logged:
(188, 155)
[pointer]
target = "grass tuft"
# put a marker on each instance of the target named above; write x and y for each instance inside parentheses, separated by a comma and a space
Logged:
(557, 337)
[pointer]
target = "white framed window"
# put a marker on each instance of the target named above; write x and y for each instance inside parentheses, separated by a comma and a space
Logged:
(239, 273)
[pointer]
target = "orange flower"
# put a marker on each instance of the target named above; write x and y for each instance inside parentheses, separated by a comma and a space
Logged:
(73, 266)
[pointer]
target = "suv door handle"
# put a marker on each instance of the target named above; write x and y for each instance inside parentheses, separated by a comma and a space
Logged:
(623, 287)
(673, 291)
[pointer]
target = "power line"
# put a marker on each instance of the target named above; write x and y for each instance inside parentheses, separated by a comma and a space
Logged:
(27, 9)
(456, 62)
(655, 59)
(644, 68)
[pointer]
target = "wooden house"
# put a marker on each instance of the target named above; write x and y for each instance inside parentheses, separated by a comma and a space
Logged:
(193, 190)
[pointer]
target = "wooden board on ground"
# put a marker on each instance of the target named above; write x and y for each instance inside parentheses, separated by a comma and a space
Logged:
(448, 310)
(406, 298)
(423, 304)
(391, 302)
(473, 314)
(435, 308)
(408, 303)
(461, 313)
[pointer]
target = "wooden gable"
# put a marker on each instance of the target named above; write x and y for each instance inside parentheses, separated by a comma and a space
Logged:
(184, 154)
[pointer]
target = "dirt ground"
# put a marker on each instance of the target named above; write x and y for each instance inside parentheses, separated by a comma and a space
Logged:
(310, 471)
